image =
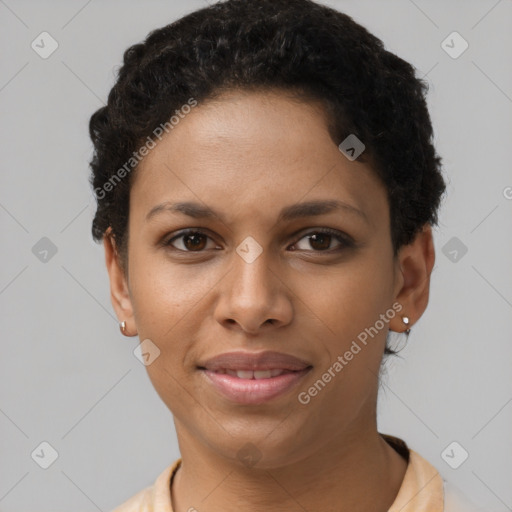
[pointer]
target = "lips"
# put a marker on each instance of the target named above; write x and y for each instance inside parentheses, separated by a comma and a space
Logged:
(253, 391)
(247, 365)
(251, 378)
(249, 374)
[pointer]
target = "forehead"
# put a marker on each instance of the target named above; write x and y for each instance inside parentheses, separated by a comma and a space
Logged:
(253, 124)
(252, 146)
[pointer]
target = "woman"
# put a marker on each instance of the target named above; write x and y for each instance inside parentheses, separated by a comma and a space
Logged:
(266, 187)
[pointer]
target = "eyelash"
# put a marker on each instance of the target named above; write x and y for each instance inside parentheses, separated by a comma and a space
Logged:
(345, 241)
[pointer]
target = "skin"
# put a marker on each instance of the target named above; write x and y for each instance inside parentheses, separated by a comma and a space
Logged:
(247, 155)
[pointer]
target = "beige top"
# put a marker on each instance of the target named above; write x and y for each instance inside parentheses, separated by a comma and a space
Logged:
(422, 489)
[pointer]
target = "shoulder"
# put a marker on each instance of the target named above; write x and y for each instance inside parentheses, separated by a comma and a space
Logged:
(155, 498)
(456, 501)
(423, 488)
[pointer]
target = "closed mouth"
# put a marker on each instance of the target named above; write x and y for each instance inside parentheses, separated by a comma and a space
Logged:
(253, 374)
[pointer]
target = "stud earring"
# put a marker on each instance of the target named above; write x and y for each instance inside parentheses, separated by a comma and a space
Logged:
(406, 321)
(122, 327)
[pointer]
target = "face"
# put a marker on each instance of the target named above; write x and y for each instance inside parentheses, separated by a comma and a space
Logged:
(246, 278)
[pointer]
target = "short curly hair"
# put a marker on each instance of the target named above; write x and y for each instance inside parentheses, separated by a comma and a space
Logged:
(298, 46)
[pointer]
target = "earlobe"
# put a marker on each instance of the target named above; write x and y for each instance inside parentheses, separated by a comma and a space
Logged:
(416, 262)
(119, 291)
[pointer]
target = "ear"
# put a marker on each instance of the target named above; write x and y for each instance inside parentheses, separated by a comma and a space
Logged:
(415, 262)
(119, 291)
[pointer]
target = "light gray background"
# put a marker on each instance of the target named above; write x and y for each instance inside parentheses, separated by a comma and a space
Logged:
(68, 377)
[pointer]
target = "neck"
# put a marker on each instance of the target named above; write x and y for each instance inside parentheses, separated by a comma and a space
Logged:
(356, 472)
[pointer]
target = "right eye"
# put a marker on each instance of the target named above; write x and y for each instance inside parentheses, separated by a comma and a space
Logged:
(191, 240)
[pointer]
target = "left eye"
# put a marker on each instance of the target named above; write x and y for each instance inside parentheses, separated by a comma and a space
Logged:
(321, 240)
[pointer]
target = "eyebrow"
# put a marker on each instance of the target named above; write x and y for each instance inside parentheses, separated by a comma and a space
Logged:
(294, 211)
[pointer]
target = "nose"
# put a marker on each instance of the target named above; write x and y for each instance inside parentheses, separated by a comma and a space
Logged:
(252, 296)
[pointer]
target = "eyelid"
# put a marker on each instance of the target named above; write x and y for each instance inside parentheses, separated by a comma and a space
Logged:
(345, 240)
(166, 242)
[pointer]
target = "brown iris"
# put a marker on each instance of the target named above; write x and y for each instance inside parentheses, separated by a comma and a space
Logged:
(196, 243)
(322, 237)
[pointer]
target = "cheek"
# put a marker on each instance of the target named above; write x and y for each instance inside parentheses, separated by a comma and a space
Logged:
(163, 292)
(170, 303)
(165, 300)
(349, 305)
(350, 298)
